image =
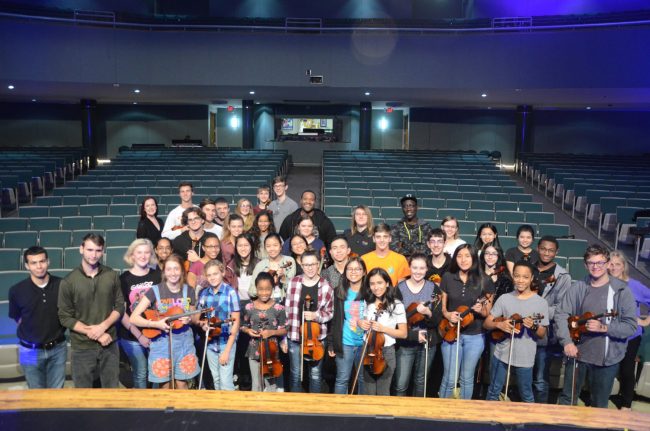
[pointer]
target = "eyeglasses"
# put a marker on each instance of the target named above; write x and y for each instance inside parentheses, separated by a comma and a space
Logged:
(436, 241)
(210, 246)
(600, 264)
(191, 220)
(351, 269)
(491, 253)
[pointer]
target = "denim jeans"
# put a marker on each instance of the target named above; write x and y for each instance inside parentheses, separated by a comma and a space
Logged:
(544, 356)
(311, 369)
(410, 366)
(346, 367)
(600, 382)
(524, 381)
(222, 375)
(44, 368)
(138, 359)
(102, 361)
(471, 348)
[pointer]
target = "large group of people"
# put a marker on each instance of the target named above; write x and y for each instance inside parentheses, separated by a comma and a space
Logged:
(273, 300)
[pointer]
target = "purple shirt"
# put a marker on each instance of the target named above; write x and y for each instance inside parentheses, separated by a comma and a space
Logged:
(641, 295)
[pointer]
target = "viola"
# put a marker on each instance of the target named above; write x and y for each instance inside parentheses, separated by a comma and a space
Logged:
(274, 272)
(549, 280)
(414, 317)
(216, 326)
(517, 321)
(448, 330)
(172, 315)
(578, 324)
(270, 363)
(312, 348)
(374, 360)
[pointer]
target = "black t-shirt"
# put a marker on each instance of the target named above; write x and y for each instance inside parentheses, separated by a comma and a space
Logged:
(515, 255)
(360, 243)
(37, 310)
(183, 243)
(432, 271)
(459, 293)
(135, 287)
(311, 291)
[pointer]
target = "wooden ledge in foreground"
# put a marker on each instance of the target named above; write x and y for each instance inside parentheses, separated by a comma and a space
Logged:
(124, 409)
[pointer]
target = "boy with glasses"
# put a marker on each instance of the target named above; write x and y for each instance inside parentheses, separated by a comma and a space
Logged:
(282, 205)
(438, 261)
(600, 350)
(188, 244)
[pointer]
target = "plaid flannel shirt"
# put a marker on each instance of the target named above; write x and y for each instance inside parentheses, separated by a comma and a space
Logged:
(292, 305)
(225, 301)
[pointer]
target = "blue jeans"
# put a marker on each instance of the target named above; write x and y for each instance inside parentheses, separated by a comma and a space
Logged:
(600, 382)
(312, 369)
(471, 348)
(524, 381)
(138, 359)
(542, 370)
(410, 359)
(222, 375)
(346, 367)
(44, 368)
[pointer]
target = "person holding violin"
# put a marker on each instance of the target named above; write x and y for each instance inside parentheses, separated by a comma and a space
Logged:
(223, 338)
(602, 347)
(493, 267)
(340, 253)
(282, 268)
(412, 356)
(531, 310)
(264, 319)
(463, 288)
(554, 283)
(189, 243)
(172, 292)
(311, 284)
(345, 338)
(385, 316)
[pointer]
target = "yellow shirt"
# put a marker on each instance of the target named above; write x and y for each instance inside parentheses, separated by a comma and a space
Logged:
(395, 265)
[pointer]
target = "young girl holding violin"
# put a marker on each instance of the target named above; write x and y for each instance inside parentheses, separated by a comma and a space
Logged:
(384, 314)
(411, 352)
(493, 267)
(171, 292)
(283, 268)
(528, 305)
(463, 286)
(345, 339)
(263, 319)
(221, 347)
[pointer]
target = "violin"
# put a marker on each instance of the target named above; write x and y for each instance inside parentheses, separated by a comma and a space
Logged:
(414, 317)
(549, 280)
(517, 321)
(270, 363)
(578, 324)
(312, 348)
(374, 360)
(447, 329)
(172, 315)
(274, 272)
(215, 326)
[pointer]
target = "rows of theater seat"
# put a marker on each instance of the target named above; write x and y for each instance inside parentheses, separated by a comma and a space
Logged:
(106, 200)
(606, 193)
(467, 186)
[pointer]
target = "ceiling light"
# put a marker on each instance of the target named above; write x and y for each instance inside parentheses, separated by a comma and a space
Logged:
(135, 103)
(33, 100)
(11, 87)
(251, 92)
(136, 91)
(367, 93)
(588, 108)
(484, 95)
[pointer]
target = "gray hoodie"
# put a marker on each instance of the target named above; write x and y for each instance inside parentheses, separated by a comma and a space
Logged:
(619, 329)
(553, 293)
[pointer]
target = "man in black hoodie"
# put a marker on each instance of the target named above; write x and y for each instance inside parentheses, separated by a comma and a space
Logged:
(323, 224)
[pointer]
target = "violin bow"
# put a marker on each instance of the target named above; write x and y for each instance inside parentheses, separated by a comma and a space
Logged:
(456, 392)
(171, 360)
(205, 347)
(426, 363)
(504, 396)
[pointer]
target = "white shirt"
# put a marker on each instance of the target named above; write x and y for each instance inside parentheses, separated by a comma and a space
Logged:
(173, 219)
(387, 319)
(452, 246)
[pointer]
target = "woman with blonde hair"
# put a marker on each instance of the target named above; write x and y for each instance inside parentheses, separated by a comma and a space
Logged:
(449, 225)
(135, 282)
(618, 268)
(244, 209)
(362, 227)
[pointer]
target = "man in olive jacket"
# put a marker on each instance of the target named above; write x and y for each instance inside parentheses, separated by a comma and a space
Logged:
(90, 303)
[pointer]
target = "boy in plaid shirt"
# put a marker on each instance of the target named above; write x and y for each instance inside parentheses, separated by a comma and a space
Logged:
(312, 284)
